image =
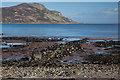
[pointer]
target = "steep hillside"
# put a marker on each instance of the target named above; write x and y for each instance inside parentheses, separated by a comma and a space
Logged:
(33, 13)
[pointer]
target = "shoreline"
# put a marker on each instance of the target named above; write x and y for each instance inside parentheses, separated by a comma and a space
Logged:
(90, 38)
(46, 57)
(14, 41)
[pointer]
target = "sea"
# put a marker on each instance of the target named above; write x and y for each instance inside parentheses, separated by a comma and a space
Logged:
(60, 30)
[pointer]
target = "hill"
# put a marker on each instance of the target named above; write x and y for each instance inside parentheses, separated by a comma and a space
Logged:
(33, 13)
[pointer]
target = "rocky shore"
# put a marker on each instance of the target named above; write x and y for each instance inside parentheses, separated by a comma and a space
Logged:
(79, 71)
(51, 58)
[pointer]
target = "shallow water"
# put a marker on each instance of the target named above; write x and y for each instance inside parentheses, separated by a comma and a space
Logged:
(101, 52)
(62, 30)
(4, 46)
(71, 39)
(15, 44)
(7, 45)
(65, 40)
(17, 58)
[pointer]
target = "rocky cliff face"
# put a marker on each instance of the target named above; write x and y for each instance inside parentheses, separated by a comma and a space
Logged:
(33, 13)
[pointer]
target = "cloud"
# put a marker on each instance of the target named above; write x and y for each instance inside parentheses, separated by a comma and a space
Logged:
(103, 16)
(111, 11)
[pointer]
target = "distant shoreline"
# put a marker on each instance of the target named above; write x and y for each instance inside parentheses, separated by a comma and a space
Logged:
(89, 38)
(63, 24)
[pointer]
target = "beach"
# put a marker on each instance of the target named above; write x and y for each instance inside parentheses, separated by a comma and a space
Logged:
(60, 51)
(59, 41)
(59, 57)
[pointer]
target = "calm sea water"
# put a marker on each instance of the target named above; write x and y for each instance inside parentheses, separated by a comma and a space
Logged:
(54, 30)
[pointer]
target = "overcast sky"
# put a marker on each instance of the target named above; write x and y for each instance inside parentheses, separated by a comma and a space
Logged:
(87, 12)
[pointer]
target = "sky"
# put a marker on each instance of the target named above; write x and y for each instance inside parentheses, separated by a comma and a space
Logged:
(86, 12)
(60, 0)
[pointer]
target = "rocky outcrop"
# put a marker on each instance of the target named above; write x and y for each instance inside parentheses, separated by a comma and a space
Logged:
(33, 13)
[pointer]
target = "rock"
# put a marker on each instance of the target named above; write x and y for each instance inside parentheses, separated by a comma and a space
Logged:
(36, 55)
(2, 34)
